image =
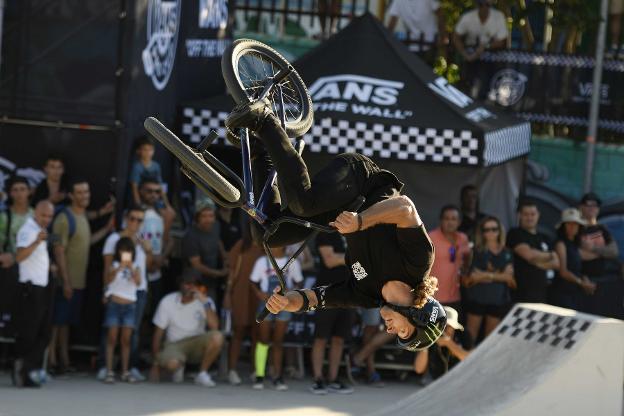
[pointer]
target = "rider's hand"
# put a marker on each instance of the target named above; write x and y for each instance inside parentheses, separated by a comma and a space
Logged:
(346, 222)
(276, 302)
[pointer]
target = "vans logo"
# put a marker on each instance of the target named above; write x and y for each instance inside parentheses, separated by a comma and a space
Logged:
(356, 87)
(163, 22)
(358, 94)
(358, 271)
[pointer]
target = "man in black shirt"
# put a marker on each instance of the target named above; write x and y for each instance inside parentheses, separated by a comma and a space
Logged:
(470, 214)
(335, 323)
(389, 253)
(533, 257)
(599, 251)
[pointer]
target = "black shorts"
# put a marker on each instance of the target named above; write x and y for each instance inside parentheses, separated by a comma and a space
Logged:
(497, 311)
(333, 323)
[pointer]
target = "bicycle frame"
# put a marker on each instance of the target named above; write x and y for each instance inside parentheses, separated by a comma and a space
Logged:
(247, 201)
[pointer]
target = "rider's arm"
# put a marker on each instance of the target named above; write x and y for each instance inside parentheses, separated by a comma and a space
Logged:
(399, 210)
(337, 295)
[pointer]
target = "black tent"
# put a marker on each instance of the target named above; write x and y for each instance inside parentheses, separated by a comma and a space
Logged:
(371, 95)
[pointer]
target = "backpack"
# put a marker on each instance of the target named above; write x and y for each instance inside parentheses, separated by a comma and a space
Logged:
(71, 220)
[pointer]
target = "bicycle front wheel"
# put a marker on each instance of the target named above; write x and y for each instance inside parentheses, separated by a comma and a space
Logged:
(247, 64)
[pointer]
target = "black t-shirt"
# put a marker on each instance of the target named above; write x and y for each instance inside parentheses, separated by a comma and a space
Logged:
(494, 293)
(230, 231)
(375, 256)
(600, 236)
(327, 276)
(468, 226)
(532, 281)
(573, 264)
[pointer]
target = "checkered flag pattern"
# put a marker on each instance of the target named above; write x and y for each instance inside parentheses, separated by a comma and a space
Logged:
(197, 124)
(544, 328)
(394, 142)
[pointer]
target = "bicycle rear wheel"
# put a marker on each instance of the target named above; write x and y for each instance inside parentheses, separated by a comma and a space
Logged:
(191, 160)
(246, 66)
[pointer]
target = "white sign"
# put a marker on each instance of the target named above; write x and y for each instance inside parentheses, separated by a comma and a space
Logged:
(441, 87)
(163, 23)
(358, 94)
(213, 14)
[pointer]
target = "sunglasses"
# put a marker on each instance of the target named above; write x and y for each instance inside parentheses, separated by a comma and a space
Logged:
(490, 229)
(453, 253)
(152, 191)
(135, 219)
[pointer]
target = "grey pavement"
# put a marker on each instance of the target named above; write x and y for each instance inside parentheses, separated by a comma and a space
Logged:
(82, 395)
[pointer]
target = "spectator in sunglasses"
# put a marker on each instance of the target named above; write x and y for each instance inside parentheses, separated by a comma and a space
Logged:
(142, 261)
(452, 250)
(487, 295)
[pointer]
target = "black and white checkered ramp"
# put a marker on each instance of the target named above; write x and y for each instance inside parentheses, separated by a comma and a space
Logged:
(543, 327)
(540, 360)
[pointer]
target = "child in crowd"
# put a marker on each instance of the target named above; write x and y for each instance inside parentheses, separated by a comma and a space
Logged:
(265, 278)
(121, 284)
(144, 167)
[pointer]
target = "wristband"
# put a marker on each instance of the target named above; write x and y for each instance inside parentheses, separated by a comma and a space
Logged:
(359, 218)
(305, 307)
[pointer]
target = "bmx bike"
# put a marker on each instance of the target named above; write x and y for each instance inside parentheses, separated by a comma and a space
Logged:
(252, 71)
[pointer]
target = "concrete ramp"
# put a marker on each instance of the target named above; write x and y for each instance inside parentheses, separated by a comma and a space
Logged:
(541, 360)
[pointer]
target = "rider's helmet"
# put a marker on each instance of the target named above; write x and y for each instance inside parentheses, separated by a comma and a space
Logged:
(429, 322)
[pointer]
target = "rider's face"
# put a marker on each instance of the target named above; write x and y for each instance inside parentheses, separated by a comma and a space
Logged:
(396, 323)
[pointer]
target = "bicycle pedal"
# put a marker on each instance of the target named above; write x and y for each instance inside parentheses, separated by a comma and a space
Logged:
(208, 141)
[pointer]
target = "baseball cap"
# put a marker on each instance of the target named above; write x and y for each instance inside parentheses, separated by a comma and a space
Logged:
(571, 215)
(452, 318)
(591, 196)
(204, 203)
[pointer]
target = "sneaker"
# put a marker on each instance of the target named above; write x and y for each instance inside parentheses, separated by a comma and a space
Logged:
(318, 387)
(612, 52)
(250, 115)
(128, 377)
(375, 380)
(137, 374)
(204, 379)
(258, 383)
(178, 375)
(279, 384)
(339, 387)
(44, 376)
(31, 382)
(110, 378)
(233, 378)
(17, 373)
(101, 374)
(354, 368)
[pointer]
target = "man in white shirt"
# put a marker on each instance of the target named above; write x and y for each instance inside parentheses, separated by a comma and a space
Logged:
(153, 230)
(423, 20)
(480, 29)
(34, 304)
(182, 317)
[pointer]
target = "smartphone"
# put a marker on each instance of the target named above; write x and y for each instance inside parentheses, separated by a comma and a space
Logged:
(126, 257)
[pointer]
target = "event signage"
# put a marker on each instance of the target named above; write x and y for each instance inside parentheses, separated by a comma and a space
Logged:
(212, 15)
(163, 23)
(552, 88)
(360, 95)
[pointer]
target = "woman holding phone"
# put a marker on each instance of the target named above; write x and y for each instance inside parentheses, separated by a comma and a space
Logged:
(122, 280)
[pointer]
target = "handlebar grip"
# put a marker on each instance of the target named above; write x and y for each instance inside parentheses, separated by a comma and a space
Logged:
(262, 315)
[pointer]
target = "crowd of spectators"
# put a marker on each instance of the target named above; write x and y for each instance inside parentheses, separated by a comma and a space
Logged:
(193, 314)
